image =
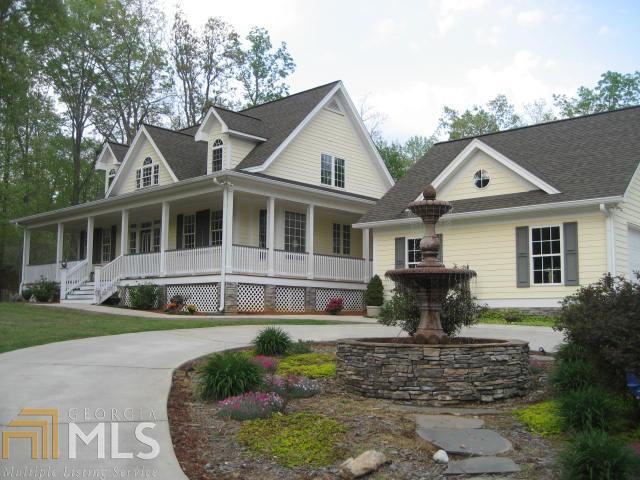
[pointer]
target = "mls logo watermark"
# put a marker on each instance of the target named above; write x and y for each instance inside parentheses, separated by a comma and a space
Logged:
(41, 428)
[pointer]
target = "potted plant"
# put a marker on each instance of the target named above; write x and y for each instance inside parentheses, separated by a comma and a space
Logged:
(374, 296)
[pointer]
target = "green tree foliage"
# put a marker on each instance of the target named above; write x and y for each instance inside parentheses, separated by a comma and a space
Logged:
(613, 90)
(261, 71)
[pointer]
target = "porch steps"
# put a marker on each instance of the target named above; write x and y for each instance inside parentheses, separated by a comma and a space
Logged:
(81, 294)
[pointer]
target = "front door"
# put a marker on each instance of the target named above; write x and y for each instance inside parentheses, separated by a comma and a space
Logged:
(145, 240)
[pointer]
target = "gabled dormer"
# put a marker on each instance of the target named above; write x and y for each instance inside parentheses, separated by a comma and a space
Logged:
(109, 160)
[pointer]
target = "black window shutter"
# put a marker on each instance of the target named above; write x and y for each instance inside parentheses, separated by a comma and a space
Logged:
(83, 245)
(97, 245)
(441, 251)
(400, 252)
(570, 231)
(522, 257)
(114, 232)
(179, 221)
(202, 228)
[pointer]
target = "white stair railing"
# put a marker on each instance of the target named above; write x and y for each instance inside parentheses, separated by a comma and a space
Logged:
(72, 278)
(106, 279)
(247, 259)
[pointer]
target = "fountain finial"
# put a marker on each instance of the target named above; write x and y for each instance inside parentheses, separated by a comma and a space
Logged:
(429, 192)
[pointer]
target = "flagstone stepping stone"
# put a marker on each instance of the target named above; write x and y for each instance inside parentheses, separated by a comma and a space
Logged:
(447, 421)
(446, 410)
(466, 441)
(482, 465)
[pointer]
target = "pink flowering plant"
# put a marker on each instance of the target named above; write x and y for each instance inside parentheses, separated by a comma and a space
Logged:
(268, 364)
(291, 386)
(335, 306)
(251, 405)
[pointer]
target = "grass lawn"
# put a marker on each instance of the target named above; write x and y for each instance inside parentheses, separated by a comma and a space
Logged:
(24, 325)
(499, 317)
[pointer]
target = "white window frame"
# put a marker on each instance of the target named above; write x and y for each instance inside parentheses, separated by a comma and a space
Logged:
(333, 159)
(149, 170)
(488, 177)
(406, 252)
(105, 253)
(111, 176)
(560, 254)
(191, 223)
(301, 217)
(218, 145)
(212, 231)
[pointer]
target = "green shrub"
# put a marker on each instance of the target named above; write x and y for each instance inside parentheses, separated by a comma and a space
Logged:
(146, 297)
(569, 351)
(272, 341)
(301, 346)
(228, 374)
(45, 290)
(603, 319)
(568, 375)
(541, 418)
(592, 407)
(301, 439)
(460, 308)
(374, 296)
(594, 455)
(312, 365)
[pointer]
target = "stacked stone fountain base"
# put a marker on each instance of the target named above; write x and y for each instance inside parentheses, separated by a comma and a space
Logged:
(438, 374)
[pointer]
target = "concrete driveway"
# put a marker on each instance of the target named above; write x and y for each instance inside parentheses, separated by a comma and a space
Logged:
(119, 382)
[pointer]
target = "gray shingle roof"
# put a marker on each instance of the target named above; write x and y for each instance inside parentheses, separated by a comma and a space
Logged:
(186, 157)
(243, 123)
(119, 150)
(585, 157)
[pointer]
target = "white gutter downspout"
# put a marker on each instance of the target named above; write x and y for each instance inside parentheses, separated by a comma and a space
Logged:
(609, 214)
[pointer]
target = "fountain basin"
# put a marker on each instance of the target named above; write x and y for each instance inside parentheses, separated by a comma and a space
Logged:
(479, 370)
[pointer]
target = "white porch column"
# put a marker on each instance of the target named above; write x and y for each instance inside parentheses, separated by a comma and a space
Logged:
(124, 232)
(227, 233)
(164, 237)
(271, 222)
(365, 254)
(90, 223)
(310, 233)
(26, 248)
(60, 244)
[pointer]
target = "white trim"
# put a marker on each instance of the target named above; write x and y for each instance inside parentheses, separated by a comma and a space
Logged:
(523, 303)
(498, 211)
(561, 255)
(100, 165)
(610, 230)
(475, 145)
(246, 135)
(142, 130)
(406, 250)
(200, 135)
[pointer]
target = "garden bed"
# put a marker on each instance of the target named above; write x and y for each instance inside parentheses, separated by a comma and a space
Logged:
(210, 447)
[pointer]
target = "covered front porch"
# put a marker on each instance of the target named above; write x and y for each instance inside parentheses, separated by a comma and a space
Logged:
(217, 233)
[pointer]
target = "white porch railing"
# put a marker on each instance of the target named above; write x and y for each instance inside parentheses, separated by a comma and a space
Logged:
(331, 267)
(74, 276)
(107, 277)
(142, 265)
(193, 260)
(50, 271)
(248, 259)
(290, 264)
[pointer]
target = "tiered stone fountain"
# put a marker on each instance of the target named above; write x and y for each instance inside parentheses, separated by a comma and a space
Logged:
(430, 367)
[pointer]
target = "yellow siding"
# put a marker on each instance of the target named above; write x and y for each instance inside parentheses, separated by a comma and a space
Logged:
(628, 214)
(333, 134)
(323, 240)
(240, 148)
(488, 247)
(144, 150)
(502, 180)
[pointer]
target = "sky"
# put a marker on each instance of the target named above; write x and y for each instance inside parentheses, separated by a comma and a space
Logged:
(411, 58)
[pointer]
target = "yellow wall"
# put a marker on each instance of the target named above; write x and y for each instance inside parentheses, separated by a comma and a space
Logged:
(333, 134)
(502, 180)
(628, 214)
(144, 150)
(240, 148)
(488, 247)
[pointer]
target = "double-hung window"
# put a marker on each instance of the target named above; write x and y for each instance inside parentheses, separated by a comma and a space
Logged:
(216, 155)
(189, 231)
(336, 239)
(332, 171)
(133, 237)
(156, 235)
(106, 245)
(295, 232)
(546, 255)
(216, 227)
(414, 254)
(148, 175)
(341, 236)
(262, 229)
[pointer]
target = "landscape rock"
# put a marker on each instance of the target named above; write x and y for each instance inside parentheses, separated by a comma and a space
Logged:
(482, 465)
(441, 457)
(365, 463)
(447, 421)
(470, 441)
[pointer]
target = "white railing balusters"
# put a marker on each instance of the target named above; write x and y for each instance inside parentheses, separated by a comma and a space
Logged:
(330, 267)
(193, 260)
(74, 277)
(290, 264)
(248, 259)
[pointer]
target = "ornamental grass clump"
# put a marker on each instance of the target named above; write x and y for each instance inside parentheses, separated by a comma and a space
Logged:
(227, 374)
(272, 341)
(593, 407)
(569, 375)
(300, 439)
(268, 364)
(251, 405)
(312, 365)
(291, 386)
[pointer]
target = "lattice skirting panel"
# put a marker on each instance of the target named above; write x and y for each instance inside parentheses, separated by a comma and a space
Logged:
(289, 299)
(353, 299)
(205, 296)
(250, 298)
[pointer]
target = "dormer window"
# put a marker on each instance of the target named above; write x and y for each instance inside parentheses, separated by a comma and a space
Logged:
(216, 156)
(148, 175)
(112, 175)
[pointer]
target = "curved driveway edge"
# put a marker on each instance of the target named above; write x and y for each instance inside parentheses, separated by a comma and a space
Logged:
(122, 380)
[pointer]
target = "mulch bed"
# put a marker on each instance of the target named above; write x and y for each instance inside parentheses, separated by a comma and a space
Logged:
(206, 448)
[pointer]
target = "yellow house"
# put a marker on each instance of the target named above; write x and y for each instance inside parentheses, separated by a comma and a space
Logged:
(537, 211)
(247, 211)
